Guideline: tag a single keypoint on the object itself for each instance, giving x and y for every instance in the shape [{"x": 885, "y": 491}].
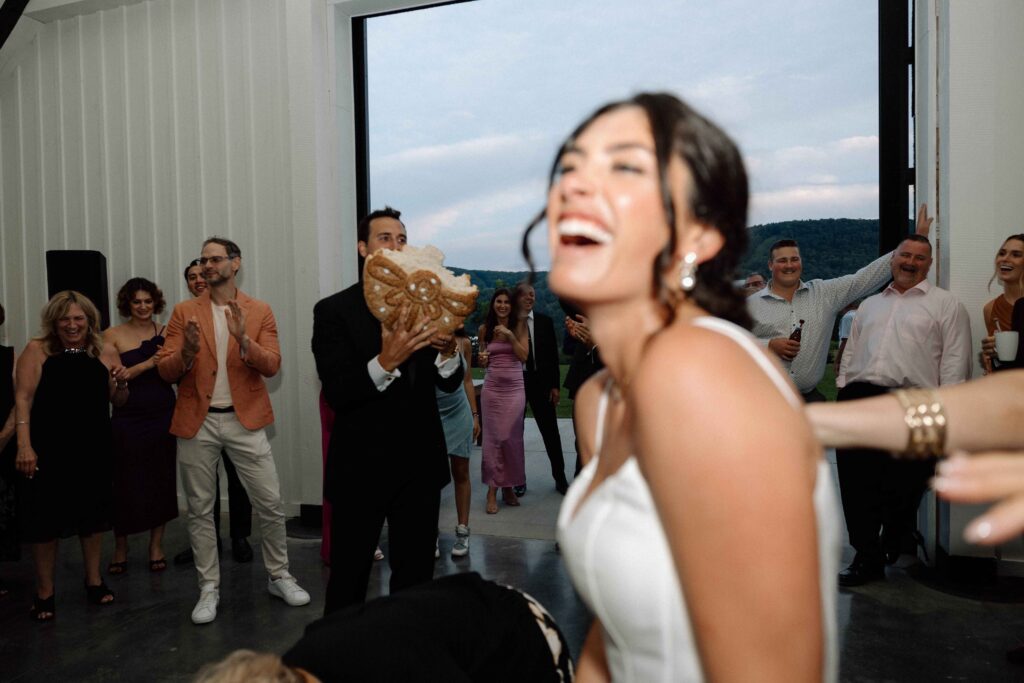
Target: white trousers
[{"x": 249, "y": 451}]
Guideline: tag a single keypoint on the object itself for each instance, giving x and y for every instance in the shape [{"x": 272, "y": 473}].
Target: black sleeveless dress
[
  {"x": 145, "y": 494},
  {"x": 71, "y": 493},
  {"x": 9, "y": 548}
]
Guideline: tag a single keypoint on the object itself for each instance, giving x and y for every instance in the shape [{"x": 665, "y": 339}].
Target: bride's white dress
[{"x": 619, "y": 559}]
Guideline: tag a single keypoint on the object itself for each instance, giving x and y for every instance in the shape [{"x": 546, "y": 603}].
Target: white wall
[
  {"x": 140, "y": 130},
  {"x": 970, "y": 149}
]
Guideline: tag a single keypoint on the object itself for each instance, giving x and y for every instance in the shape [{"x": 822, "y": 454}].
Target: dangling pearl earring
[{"x": 688, "y": 272}]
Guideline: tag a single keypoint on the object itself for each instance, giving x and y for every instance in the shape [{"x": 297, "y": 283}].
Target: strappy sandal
[
  {"x": 117, "y": 568},
  {"x": 96, "y": 594},
  {"x": 42, "y": 609},
  {"x": 158, "y": 565}
]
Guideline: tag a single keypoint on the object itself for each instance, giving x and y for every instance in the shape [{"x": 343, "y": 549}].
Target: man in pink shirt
[{"x": 912, "y": 334}]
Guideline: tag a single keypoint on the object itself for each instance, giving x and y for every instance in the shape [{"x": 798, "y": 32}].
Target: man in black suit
[
  {"x": 541, "y": 376},
  {"x": 387, "y": 457}
]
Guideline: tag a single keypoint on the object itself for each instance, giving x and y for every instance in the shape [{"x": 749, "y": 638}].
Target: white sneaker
[
  {"x": 206, "y": 609},
  {"x": 461, "y": 547},
  {"x": 288, "y": 589},
  {"x": 378, "y": 554}
]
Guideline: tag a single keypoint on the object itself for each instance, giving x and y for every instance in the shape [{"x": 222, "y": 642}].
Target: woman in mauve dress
[{"x": 504, "y": 350}]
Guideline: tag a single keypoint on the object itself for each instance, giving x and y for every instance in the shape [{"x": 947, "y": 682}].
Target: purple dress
[
  {"x": 144, "y": 449},
  {"x": 504, "y": 406}
]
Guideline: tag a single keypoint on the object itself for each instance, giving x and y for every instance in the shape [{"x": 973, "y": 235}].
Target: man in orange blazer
[{"x": 219, "y": 347}]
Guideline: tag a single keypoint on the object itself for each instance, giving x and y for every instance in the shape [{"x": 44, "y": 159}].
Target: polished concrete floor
[{"x": 911, "y": 627}]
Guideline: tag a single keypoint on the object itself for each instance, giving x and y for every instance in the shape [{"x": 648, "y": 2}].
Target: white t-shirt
[{"x": 221, "y": 388}]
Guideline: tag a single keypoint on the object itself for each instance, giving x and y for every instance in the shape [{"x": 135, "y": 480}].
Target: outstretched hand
[
  {"x": 924, "y": 221},
  {"x": 579, "y": 329},
  {"x": 235, "y": 317},
  {"x": 982, "y": 478},
  {"x": 397, "y": 345}
]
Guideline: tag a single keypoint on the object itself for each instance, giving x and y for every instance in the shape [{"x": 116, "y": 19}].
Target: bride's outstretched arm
[
  {"x": 732, "y": 466},
  {"x": 985, "y": 414}
]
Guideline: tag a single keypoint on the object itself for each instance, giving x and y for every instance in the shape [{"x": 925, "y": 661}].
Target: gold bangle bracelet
[{"x": 926, "y": 422}]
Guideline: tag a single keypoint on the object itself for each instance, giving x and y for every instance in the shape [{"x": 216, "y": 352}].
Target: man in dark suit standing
[
  {"x": 387, "y": 457},
  {"x": 541, "y": 376}
]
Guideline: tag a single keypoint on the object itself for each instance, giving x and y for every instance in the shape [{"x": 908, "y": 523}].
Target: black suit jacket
[
  {"x": 379, "y": 437},
  {"x": 545, "y": 345},
  {"x": 584, "y": 364}
]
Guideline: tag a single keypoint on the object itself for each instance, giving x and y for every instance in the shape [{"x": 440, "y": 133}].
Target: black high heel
[
  {"x": 95, "y": 594},
  {"x": 41, "y": 606}
]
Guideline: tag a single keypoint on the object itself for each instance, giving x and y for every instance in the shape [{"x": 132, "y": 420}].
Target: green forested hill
[{"x": 830, "y": 247}]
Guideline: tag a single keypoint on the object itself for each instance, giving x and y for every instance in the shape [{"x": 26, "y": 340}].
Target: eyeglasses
[{"x": 215, "y": 260}]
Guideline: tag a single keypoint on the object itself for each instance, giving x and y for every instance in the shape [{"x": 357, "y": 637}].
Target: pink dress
[{"x": 504, "y": 407}]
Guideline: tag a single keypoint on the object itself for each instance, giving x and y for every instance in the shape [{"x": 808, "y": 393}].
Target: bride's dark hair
[{"x": 718, "y": 198}]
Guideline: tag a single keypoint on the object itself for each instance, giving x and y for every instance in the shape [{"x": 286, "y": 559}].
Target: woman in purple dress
[
  {"x": 144, "y": 449},
  {"x": 503, "y": 352}
]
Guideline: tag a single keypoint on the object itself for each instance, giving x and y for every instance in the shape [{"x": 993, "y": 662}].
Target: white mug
[{"x": 1006, "y": 345}]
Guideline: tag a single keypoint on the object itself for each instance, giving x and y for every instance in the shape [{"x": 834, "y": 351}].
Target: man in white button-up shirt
[{"x": 913, "y": 334}]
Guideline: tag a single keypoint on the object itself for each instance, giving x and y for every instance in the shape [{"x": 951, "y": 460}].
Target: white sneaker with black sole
[
  {"x": 461, "y": 547},
  {"x": 289, "y": 590}
]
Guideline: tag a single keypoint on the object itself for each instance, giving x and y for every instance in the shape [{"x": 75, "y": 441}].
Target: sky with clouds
[{"x": 469, "y": 102}]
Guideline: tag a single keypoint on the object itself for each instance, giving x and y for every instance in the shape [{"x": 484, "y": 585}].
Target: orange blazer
[{"x": 245, "y": 375}]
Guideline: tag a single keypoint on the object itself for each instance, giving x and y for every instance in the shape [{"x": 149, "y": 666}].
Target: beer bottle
[{"x": 798, "y": 332}]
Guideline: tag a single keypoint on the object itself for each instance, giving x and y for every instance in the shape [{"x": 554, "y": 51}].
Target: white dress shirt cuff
[
  {"x": 447, "y": 366},
  {"x": 380, "y": 377}
]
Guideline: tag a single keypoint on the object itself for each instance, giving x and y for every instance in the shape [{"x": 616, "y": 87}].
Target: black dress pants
[
  {"x": 539, "y": 399},
  {"x": 880, "y": 493},
  {"x": 410, "y": 507}
]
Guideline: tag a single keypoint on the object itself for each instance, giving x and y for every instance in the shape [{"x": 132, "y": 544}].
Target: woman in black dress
[
  {"x": 65, "y": 378},
  {"x": 144, "y": 449}
]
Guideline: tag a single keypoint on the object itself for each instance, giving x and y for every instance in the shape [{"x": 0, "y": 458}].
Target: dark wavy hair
[
  {"x": 1020, "y": 283},
  {"x": 492, "y": 318},
  {"x": 127, "y": 292},
  {"x": 718, "y": 198}
]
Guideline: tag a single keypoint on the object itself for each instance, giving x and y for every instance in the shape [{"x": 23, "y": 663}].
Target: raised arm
[{"x": 731, "y": 466}]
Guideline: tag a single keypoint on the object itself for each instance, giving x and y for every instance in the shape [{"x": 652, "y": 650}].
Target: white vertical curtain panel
[{"x": 138, "y": 132}]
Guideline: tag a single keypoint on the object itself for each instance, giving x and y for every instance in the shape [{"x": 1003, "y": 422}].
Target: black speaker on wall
[{"x": 83, "y": 271}]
